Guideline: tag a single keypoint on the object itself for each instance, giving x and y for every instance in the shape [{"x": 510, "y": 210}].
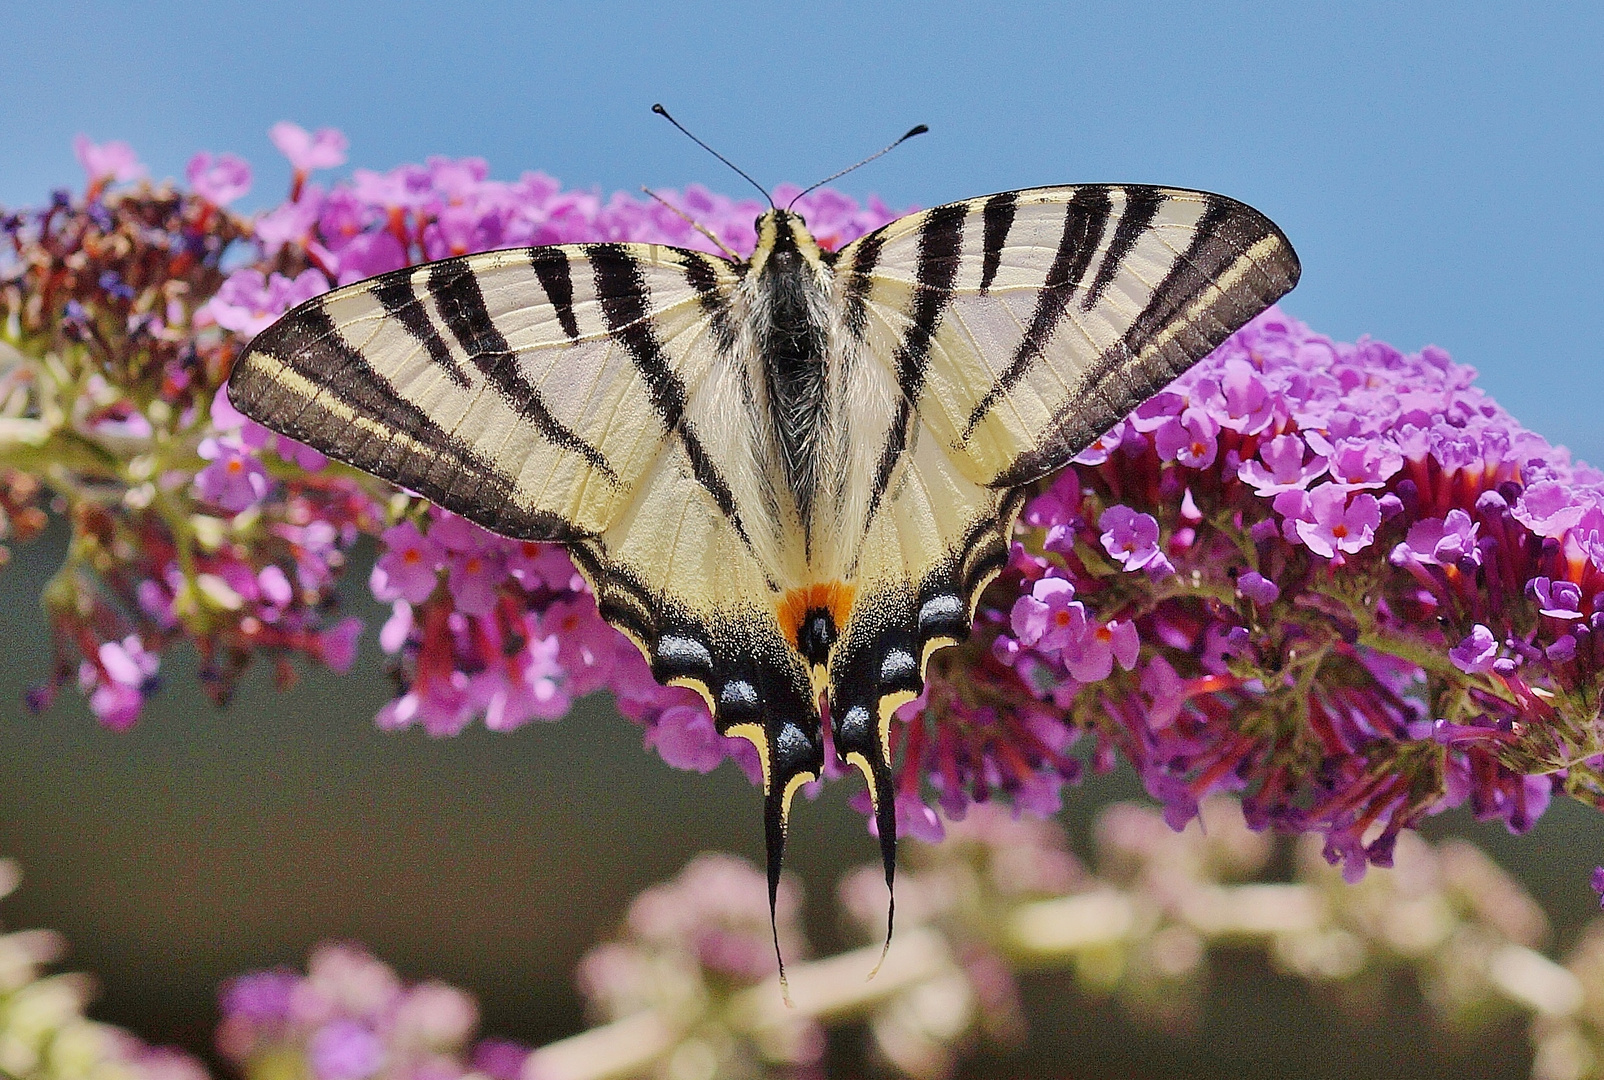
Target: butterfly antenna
[
  {"x": 693, "y": 223},
  {"x": 660, "y": 111},
  {"x": 919, "y": 130}
]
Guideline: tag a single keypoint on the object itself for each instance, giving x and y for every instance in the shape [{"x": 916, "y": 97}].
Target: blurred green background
[{"x": 207, "y": 842}]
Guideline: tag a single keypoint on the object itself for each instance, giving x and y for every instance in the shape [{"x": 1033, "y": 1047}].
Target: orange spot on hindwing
[{"x": 812, "y": 617}]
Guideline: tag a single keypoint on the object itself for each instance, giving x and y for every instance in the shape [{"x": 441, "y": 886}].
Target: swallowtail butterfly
[{"x": 785, "y": 478}]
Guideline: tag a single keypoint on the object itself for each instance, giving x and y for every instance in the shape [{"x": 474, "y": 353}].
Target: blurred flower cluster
[
  {"x": 688, "y": 988},
  {"x": 44, "y": 1034},
  {"x": 350, "y": 1017},
  {"x": 1333, "y": 578},
  {"x": 184, "y": 527}
]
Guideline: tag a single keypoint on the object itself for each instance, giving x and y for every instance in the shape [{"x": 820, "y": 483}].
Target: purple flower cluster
[
  {"x": 688, "y": 949},
  {"x": 350, "y": 1017},
  {"x": 1332, "y": 578},
  {"x": 189, "y": 524}
]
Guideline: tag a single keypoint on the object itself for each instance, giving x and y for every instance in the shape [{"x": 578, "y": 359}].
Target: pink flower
[
  {"x": 1358, "y": 463},
  {"x": 107, "y": 161},
  {"x": 1327, "y": 522},
  {"x": 529, "y": 687},
  {"x": 117, "y": 684},
  {"x": 1189, "y": 439},
  {"x": 1244, "y": 404},
  {"x": 440, "y": 707},
  {"x": 474, "y": 577},
  {"x": 1091, "y": 654},
  {"x": 1475, "y": 654},
  {"x": 406, "y": 188},
  {"x": 366, "y": 255},
  {"x": 591, "y": 651},
  {"x": 1131, "y": 539},
  {"x": 1102, "y": 446},
  {"x": 290, "y": 223},
  {"x": 535, "y": 565},
  {"x": 397, "y": 629},
  {"x": 235, "y": 480},
  {"x": 274, "y": 586},
  {"x": 1258, "y": 588},
  {"x": 409, "y": 567},
  {"x": 1549, "y": 508},
  {"x": 1050, "y": 617},
  {"x": 127, "y": 661},
  {"x": 323, "y": 150},
  {"x": 248, "y": 303},
  {"x": 684, "y": 737},
  {"x": 1286, "y": 468},
  {"x": 1442, "y": 541},
  {"x": 218, "y": 180}
]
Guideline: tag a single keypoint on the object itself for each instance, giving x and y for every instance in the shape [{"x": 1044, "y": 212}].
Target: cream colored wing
[
  {"x": 987, "y": 343},
  {"x": 1040, "y": 318},
  {"x": 529, "y": 390},
  {"x": 592, "y": 394}
]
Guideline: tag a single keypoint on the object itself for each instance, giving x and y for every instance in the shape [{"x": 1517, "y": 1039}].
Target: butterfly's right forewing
[{"x": 1067, "y": 308}]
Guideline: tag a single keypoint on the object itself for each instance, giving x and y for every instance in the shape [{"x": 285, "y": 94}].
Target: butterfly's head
[{"x": 783, "y": 236}]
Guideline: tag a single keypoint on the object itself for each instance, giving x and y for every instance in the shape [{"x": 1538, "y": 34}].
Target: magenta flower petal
[
  {"x": 1475, "y": 654},
  {"x": 307, "y": 151},
  {"x": 105, "y": 161},
  {"x": 410, "y": 566},
  {"x": 219, "y": 180},
  {"x": 234, "y": 480}
]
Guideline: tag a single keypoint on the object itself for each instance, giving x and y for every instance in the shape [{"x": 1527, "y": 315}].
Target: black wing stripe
[
  {"x": 1141, "y": 206},
  {"x": 551, "y": 268},
  {"x": 701, "y": 274},
  {"x": 453, "y": 474},
  {"x": 1085, "y": 218},
  {"x": 620, "y": 598},
  {"x": 1192, "y": 274},
  {"x": 866, "y": 255},
  {"x": 1115, "y": 383},
  {"x": 626, "y": 306},
  {"x": 395, "y": 292},
  {"x": 940, "y": 252},
  {"x": 461, "y": 302},
  {"x": 998, "y": 216}
]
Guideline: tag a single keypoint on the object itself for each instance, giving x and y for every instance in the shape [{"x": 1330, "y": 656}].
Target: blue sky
[{"x": 1436, "y": 165}]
